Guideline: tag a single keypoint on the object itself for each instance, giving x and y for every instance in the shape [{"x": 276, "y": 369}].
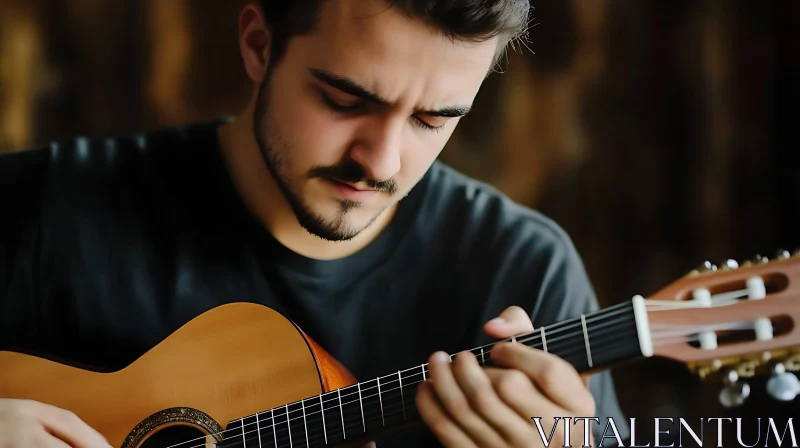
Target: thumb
[{"x": 513, "y": 320}]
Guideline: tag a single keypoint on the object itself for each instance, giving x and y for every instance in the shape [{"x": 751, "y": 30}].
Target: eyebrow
[{"x": 351, "y": 87}]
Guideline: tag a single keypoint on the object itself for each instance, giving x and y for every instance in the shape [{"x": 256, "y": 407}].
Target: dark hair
[{"x": 466, "y": 20}]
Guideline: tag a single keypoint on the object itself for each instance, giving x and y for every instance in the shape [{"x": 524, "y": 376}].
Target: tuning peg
[
  {"x": 782, "y": 386},
  {"x": 729, "y": 264},
  {"x": 782, "y": 254},
  {"x": 707, "y": 266},
  {"x": 734, "y": 393}
]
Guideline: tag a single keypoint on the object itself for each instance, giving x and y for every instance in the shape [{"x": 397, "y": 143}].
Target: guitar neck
[{"x": 591, "y": 342}]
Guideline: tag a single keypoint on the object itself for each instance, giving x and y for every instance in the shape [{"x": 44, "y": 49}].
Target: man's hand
[
  {"x": 469, "y": 406},
  {"x": 30, "y": 424}
]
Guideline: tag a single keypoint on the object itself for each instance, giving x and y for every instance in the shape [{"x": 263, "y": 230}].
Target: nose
[{"x": 378, "y": 149}]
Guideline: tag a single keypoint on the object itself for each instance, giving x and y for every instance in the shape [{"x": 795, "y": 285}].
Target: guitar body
[{"x": 232, "y": 361}]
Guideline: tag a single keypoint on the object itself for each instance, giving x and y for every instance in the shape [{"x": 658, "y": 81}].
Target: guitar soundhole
[
  {"x": 175, "y": 428},
  {"x": 175, "y": 435}
]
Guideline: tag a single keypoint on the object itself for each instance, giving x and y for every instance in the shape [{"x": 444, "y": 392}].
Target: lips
[{"x": 351, "y": 193}]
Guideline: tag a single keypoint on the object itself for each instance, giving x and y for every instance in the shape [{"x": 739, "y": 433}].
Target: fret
[
  {"x": 423, "y": 373},
  {"x": 289, "y": 425},
  {"x": 280, "y": 430},
  {"x": 614, "y": 337},
  {"x": 314, "y": 422},
  {"x": 297, "y": 425},
  {"x": 380, "y": 399},
  {"x": 586, "y": 339},
  {"x": 372, "y": 405},
  {"x": 274, "y": 426},
  {"x": 322, "y": 412},
  {"x": 402, "y": 398},
  {"x": 361, "y": 404},
  {"x": 258, "y": 431},
  {"x": 390, "y": 403},
  {"x": 544, "y": 341},
  {"x": 341, "y": 412},
  {"x": 235, "y": 432},
  {"x": 253, "y": 428},
  {"x": 305, "y": 422},
  {"x": 352, "y": 411},
  {"x": 244, "y": 439},
  {"x": 334, "y": 420}
]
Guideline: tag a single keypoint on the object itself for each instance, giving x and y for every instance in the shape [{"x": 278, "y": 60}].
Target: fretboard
[{"x": 590, "y": 342}]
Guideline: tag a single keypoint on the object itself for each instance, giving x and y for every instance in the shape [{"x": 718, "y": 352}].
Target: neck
[
  {"x": 262, "y": 196},
  {"x": 590, "y": 343}
]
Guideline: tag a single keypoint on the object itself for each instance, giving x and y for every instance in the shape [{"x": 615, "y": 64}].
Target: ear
[{"x": 255, "y": 39}]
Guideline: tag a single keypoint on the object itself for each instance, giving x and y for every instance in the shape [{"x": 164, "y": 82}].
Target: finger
[
  {"x": 48, "y": 441},
  {"x": 436, "y": 418},
  {"x": 370, "y": 445},
  {"x": 68, "y": 427},
  {"x": 555, "y": 378},
  {"x": 456, "y": 404},
  {"x": 512, "y": 321},
  {"x": 27, "y": 432},
  {"x": 478, "y": 388},
  {"x": 517, "y": 391}
]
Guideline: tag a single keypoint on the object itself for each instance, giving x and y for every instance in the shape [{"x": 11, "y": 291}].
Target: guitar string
[
  {"x": 556, "y": 328},
  {"x": 313, "y": 403},
  {"x": 526, "y": 337},
  {"x": 352, "y": 422},
  {"x": 355, "y": 421},
  {"x": 531, "y": 336},
  {"x": 288, "y": 415}
]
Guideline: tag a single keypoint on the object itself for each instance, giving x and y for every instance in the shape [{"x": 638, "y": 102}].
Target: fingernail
[
  {"x": 442, "y": 358},
  {"x": 497, "y": 321}
]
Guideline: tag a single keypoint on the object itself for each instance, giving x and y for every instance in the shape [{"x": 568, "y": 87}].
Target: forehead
[{"x": 401, "y": 58}]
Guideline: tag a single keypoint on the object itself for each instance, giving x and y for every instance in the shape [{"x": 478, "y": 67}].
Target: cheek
[
  {"x": 419, "y": 154},
  {"x": 309, "y": 134}
]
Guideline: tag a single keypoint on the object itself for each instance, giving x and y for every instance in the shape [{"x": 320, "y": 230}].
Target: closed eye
[
  {"x": 341, "y": 106},
  {"x": 427, "y": 126}
]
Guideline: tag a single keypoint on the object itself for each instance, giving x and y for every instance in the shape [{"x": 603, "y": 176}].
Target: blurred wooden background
[{"x": 659, "y": 134}]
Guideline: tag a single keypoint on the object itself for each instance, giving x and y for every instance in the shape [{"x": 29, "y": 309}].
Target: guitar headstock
[{"x": 731, "y": 322}]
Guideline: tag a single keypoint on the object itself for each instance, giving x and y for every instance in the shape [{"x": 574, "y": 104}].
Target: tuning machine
[
  {"x": 783, "y": 385},
  {"x": 735, "y": 391},
  {"x": 704, "y": 268}
]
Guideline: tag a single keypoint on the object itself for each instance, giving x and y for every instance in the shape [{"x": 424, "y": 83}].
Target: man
[{"x": 322, "y": 200}]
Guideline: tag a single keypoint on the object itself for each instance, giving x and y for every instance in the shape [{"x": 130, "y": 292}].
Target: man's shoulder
[
  {"x": 479, "y": 210},
  {"x": 520, "y": 251}
]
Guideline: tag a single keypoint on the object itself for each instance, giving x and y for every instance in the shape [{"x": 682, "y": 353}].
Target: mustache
[{"x": 352, "y": 174}]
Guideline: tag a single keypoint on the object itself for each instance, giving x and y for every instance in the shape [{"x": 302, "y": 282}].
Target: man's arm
[
  {"x": 23, "y": 183},
  {"x": 23, "y": 179}
]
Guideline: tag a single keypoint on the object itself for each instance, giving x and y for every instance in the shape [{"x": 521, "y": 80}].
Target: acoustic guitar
[{"x": 214, "y": 381}]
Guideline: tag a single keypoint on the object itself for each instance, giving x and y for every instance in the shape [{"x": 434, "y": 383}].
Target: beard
[{"x": 275, "y": 150}]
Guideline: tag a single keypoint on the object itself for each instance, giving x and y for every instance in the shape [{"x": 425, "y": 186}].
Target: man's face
[{"x": 354, "y": 114}]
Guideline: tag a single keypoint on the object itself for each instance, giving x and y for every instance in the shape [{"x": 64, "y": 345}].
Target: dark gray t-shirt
[{"x": 108, "y": 246}]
